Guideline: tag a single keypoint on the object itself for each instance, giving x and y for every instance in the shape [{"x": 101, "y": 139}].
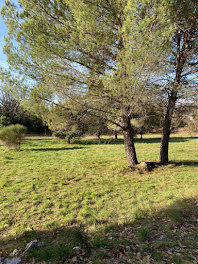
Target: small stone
[
  {"x": 143, "y": 165},
  {"x": 11, "y": 261},
  {"x": 128, "y": 248},
  {"x": 34, "y": 243},
  {"x": 31, "y": 244},
  {"x": 77, "y": 248},
  {"x": 162, "y": 237}
]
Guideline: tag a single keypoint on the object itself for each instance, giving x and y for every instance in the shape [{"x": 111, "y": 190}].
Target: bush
[{"x": 12, "y": 136}]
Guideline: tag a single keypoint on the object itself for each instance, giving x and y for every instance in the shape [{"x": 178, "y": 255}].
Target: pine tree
[{"x": 182, "y": 64}]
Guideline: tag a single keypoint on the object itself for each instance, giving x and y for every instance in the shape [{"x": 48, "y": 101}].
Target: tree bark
[
  {"x": 129, "y": 142},
  {"x": 167, "y": 129}
]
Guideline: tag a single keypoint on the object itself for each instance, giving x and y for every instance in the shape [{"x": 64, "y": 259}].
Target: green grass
[{"x": 85, "y": 195}]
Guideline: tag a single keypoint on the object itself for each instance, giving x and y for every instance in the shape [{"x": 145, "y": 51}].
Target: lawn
[{"x": 85, "y": 195}]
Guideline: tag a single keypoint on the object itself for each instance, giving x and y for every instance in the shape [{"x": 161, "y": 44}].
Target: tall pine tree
[{"x": 182, "y": 64}]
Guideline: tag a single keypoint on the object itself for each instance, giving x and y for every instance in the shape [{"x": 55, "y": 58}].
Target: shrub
[{"x": 12, "y": 136}]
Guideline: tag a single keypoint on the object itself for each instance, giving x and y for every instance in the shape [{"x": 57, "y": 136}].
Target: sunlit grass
[{"x": 49, "y": 184}]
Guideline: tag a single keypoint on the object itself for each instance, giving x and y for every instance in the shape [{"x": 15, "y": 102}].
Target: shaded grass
[
  {"x": 167, "y": 236},
  {"x": 91, "y": 190},
  {"x": 120, "y": 141}
]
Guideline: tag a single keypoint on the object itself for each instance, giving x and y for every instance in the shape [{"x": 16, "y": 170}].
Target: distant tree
[
  {"x": 114, "y": 129},
  {"x": 10, "y": 108},
  {"x": 191, "y": 117},
  {"x": 97, "y": 125},
  {"x": 67, "y": 123},
  {"x": 149, "y": 121}
]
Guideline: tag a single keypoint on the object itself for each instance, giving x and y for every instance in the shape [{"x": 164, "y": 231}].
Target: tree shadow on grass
[
  {"x": 188, "y": 163},
  {"x": 103, "y": 141},
  {"x": 112, "y": 141},
  {"x": 158, "y": 140},
  {"x": 120, "y": 141},
  {"x": 54, "y": 149},
  {"x": 167, "y": 236},
  {"x": 43, "y": 139}
]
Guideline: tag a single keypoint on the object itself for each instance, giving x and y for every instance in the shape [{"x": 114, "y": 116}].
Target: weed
[{"x": 144, "y": 233}]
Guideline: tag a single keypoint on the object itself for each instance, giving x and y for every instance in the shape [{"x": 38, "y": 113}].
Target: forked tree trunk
[
  {"x": 129, "y": 142},
  {"x": 167, "y": 129}
]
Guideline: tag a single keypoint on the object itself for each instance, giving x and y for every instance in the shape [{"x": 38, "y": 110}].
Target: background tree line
[
  {"x": 75, "y": 123},
  {"x": 12, "y": 112}
]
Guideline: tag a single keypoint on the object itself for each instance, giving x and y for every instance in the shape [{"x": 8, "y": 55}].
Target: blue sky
[{"x": 3, "y": 32}]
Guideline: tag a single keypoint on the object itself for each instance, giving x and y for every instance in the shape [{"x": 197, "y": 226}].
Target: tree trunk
[
  {"x": 141, "y": 134},
  {"x": 69, "y": 140},
  {"x": 129, "y": 142},
  {"x": 116, "y": 135},
  {"x": 181, "y": 57},
  {"x": 98, "y": 135},
  {"x": 45, "y": 129},
  {"x": 167, "y": 129}
]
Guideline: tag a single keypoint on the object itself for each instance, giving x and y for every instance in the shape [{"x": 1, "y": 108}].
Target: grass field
[{"x": 85, "y": 195}]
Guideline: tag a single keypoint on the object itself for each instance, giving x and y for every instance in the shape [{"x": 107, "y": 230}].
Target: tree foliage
[{"x": 67, "y": 122}]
